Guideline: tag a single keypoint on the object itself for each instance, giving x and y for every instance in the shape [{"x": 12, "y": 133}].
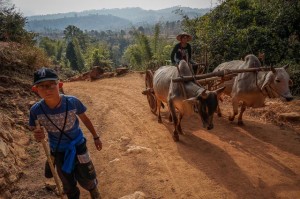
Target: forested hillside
[
  {"x": 90, "y": 22},
  {"x": 110, "y": 19}
]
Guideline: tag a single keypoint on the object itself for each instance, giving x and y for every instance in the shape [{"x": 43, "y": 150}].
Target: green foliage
[
  {"x": 98, "y": 55},
  {"x": 67, "y": 72},
  {"x": 295, "y": 77},
  {"x": 73, "y": 54},
  {"x": 294, "y": 71},
  {"x": 49, "y": 46},
  {"x": 18, "y": 56},
  {"x": 60, "y": 49},
  {"x": 99, "y": 59},
  {"x": 240, "y": 27},
  {"x": 148, "y": 52},
  {"x": 166, "y": 54},
  {"x": 156, "y": 38},
  {"x": 145, "y": 47},
  {"x": 12, "y": 25},
  {"x": 133, "y": 56},
  {"x": 139, "y": 54},
  {"x": 72, "y": 32}
]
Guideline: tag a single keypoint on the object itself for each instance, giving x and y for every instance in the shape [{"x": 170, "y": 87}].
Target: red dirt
[{"x": 257, "y": 160}]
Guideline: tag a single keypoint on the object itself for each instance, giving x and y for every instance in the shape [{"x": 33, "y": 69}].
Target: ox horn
[
  {"x": 273, "y": 69},
  {"x": 286, "y": 66}
]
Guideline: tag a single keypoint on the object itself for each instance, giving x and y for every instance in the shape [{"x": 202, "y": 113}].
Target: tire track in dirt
[
  {"x": 133, "y": 118},
  {"x": 190, "y": 193},
  {"x": 227, "y": 162}
]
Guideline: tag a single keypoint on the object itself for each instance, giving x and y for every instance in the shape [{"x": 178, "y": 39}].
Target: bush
[
  {"x": 12, "y": 26},
  {"x": 295, "y": 89},
  {"x": 14, "y": 54}
]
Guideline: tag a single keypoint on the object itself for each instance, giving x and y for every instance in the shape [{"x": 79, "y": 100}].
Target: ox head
[
  {"x": 206, "y": 103},
  {"x": 277, "y": 83}
]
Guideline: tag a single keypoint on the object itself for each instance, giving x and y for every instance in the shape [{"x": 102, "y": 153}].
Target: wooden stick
[
  {"x": 56, "y": 179},
  {"x": 220, "y": 73},
  {"x": 226, "y": 77}
]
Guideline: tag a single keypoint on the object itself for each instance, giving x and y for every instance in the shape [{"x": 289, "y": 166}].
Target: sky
[{"x": 42, "y": 7}]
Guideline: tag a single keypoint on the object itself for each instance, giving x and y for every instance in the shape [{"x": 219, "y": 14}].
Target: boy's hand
[
  {"x": 98, "y": 144},
  {"x": 39, "y": 134}
]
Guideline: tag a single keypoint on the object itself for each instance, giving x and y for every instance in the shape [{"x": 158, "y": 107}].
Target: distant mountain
[
  {"x": 91, "y": 22},
  {"x": 112, "y": 19}
]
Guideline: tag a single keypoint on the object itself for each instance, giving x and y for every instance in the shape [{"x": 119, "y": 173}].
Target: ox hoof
[
  {"x": 240, "y": 122},
  {"x": 219, "y": 114},
  {"x": 170, "y": 118},
  {"x": 231, "y": 118},
  {"x": 210, "y": 127},
  {"x": 176, "y": 138},
  {"x": 159, "y": 120},
  {"x": 180, "y": 130}
]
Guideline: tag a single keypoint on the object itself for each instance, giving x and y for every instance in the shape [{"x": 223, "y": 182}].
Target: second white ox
[
  {"x": 251, "y": 89},
  {"x": 183, "y": 96}
]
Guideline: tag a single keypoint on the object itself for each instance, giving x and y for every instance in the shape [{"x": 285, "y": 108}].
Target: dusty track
[{"x": 257, "y": 160}]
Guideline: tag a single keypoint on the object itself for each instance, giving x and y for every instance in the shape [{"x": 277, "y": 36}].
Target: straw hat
[{"x": 178, "y": 37}]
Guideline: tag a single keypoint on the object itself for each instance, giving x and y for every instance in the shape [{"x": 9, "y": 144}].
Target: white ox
[
  {"x": 183, "y": 96},
  {"x": 251, "y": 89}
]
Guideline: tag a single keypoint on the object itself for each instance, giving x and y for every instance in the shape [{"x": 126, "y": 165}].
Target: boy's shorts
[{"x": 84, "y": 172}]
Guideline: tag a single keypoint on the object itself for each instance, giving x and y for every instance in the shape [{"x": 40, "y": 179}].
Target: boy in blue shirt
[{"x": 58, "y": 114}]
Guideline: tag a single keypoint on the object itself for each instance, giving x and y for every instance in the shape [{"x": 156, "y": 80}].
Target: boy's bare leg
[{"x": 95, "y": 194}]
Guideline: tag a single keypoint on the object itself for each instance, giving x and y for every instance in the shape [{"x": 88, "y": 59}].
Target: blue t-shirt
[{"x": 57, "y": 116}]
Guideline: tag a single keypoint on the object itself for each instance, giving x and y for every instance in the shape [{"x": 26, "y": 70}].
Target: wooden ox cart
[{"x": 208, "y": 80}]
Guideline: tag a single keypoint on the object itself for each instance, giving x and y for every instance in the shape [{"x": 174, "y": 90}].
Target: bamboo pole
[
  {"x": 56, "y": 179},
  {"x": 220, "y": 73}
]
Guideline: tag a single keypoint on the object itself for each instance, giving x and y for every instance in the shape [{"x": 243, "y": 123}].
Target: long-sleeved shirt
[{"x": 180, "y": 53}]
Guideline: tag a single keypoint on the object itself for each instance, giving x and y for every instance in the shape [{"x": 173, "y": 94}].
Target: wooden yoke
[{"x": 220, "y": 73}]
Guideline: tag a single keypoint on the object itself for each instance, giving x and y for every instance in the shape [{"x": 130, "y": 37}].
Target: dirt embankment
[
  {"x": 15, "y": 101},
  {"x": 140, "y": 158}
]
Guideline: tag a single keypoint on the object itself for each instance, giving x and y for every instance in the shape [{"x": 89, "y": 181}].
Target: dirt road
[{"x": 257, "y": 160}]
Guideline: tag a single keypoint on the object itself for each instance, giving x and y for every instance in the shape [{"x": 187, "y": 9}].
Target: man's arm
[
  {"x": 173, "y": 54},
  {"x": 190, "y": 52}
]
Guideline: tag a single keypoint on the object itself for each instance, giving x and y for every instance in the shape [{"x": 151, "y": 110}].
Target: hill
[
  {"x": 110, "y": 18},
  {"x": 91, "y": 22}
]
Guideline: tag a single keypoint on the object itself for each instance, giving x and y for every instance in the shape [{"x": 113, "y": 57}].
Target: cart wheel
[
  {"x": 150, "y": 97},
  {"x": 149, "y": 79},
  {"x": 152, "y": 102}
]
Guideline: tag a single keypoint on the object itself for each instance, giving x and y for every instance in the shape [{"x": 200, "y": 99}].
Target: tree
[
  {"x": 240, "y": 27},
  {"x": 60, "y": 48},
  {"x": 156, "y": 37},
  {"x": 49, "y": 46},
  {"x": 73, "y": 54},
  {"x": 72, "y": 32},
  {"x": 145, "y": 47},
  {"x": 12, "y": 25},
  {"x": 133, "y": 56}
]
